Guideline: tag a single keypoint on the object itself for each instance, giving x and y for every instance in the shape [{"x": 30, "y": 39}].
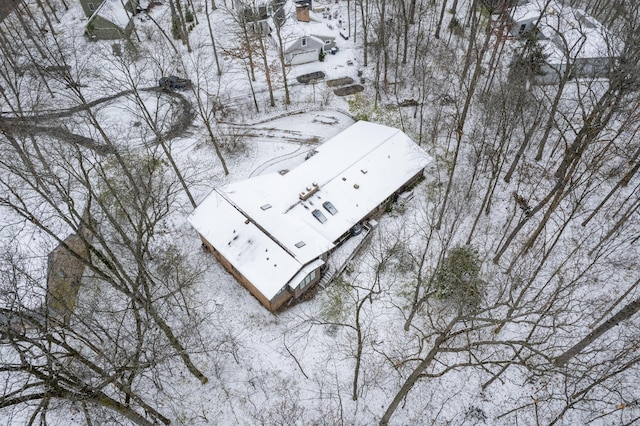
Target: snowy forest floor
[{"x": 534, "y": 185}]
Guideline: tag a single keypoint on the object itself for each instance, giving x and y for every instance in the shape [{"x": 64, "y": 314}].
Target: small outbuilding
[
  {"x": 275, "y": 232},
  {"x": 111, "y": 20}
]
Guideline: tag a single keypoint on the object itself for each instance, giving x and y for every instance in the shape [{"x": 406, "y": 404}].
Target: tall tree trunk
[
  {"x": 183, "y": 25},
  {"x": 523, "y": 146},
  {"x": 631, "y": 211},
  {"x": 213, "y": 41},
  {"x": 267, "y": 70},
  {"x": 364, "y": 14},
  {"x": 416, "y": 373},
  {"x": 462, "y": 119},
  {"x": 405, "y": 32},
  {"x": 383, "y": 42},
  {"x": 475, "y": 21},
  {"x": 621, "y": 183},
  {"x": 283, "y": 66},
  {"x": 552, "y": 114},
  {"x": 412, "y": 12},
  {"x": 439, "y": 25},
  {"x": 593, "y": 125},
  {"x": 625, "y": 313},
  {"x": 249, "y": 50}
]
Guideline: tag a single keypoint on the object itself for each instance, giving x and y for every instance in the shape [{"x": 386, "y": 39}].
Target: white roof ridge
[
  {"x": 355, "y": 160},
  {"x": 257, "y": 225},
  {"x": 104, "y": 12}
]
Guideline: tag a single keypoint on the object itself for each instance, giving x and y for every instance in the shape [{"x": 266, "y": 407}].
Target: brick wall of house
[{"x": 272, "y": 305}]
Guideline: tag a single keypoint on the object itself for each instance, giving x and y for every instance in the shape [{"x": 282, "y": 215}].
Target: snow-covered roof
[
  {"x": 532, "y": 10},
  {"x": 355, "y": 171},
  {"x": 302, "y": 29},
  {"x": 293, "y": 29},
  {"x": 114, "y": 12},
  {"x": 271, "y": 226},
  {"x": 256, "y": 256},
  {"x": 312, "y": 43},
  {"x": 567, "y": 31}
]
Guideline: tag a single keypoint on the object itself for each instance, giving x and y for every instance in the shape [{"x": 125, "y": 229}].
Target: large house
[
  {"x": 274, "y": 232},
  {"x": 572, "y": 41}
]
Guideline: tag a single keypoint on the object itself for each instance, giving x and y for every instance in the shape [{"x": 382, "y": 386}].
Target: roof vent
[
  {"x": 309, "y": 192},
  {"x": 266, "y": 207},
  {"x": 364, "y": 171},
  {"x": 300, "y": 244},
  {"x": 356, "y": 186}
]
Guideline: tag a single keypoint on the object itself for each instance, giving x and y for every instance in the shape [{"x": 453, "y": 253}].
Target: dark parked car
[{"x": 173, "y": 82}]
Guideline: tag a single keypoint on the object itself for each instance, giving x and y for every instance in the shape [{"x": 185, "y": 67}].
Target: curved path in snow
[
  {"x": 275, "y": 160},
  {"x": 310, "y": 136},
  {"x": 30, "y": 125}
]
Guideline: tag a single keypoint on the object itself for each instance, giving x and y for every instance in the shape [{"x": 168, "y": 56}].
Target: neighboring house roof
[
  {"x": 575, "y": 34},
  {"x": 300, "y": 29},
  {"x": 531, "y": 10},
  {"x": 265, "y": 229},
  {"x": 294, "y": 29},
  {"x": 113, "y": 11},
  {"x": 566, "y": 31},
  {"x": 312, "y": 43}
]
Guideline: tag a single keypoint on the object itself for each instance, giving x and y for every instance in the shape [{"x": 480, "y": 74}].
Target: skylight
[
  {"x": 266, "y": 207},
  {"x": 329, "y": 207},
  {"x": 318, "y": 215},
  {"x": 300, "y": 244}
]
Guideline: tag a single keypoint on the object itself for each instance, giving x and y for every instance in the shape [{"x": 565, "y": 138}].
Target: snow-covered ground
[{"x": 300, "y": 366}]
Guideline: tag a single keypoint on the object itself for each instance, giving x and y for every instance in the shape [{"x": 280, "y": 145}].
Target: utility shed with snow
[
  {"x": 274, "y": 232},
  {"x": 112, "y": 20}
]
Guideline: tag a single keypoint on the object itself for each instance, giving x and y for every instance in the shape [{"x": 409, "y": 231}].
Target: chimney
[{"x": 302, "y": 12}]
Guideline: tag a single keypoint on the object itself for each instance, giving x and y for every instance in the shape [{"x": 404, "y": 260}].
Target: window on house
[
  {"x": 308, "y": 279},
  {"x": 304, "y": 41},
  {"x": 318, "y": 215},
  {"x": 522, "y": 28},
  {"x": 91, "y": 7}
]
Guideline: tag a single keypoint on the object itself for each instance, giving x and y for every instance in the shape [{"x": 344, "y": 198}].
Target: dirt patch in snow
[
  {"x": 348, "y": 90},
  {"x": 340, "y": 82}
]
